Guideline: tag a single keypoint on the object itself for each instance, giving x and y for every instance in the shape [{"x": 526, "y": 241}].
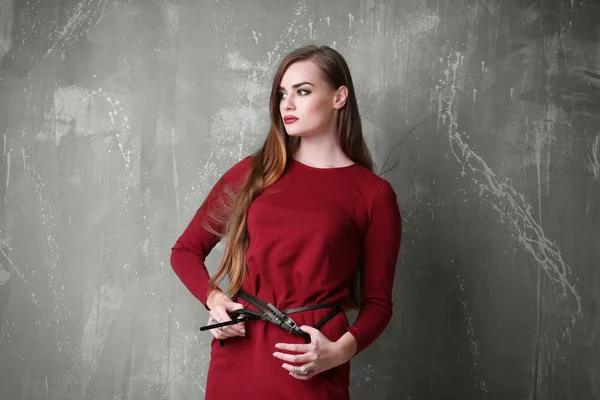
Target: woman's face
[{"x": 308, "y": 104}]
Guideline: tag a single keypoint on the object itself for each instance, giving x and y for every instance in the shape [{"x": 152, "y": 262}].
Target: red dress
[{"x": 307, "y": 232}]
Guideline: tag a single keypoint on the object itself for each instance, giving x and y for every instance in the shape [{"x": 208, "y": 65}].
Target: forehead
[{"x": 301, "y": 71}]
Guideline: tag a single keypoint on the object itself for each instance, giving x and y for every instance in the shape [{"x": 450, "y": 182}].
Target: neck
[{"x": 321, "y": 151}]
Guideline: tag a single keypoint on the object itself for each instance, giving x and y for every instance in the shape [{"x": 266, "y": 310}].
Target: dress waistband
[{"x": 271, "y": 314}]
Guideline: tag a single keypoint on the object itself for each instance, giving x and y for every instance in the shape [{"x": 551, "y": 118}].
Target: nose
[{"x": 287, "y": 104}]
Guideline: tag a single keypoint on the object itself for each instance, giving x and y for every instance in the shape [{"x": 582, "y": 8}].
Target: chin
[{"x": 295, "y": 132}]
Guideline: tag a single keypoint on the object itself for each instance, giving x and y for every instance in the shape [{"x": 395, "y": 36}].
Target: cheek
[{"x": 316, "y": 108}]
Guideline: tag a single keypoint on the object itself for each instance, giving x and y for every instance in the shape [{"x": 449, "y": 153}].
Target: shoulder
[
  {"x": 378, "y": 196},
  {"x": 373, "y": 185}
]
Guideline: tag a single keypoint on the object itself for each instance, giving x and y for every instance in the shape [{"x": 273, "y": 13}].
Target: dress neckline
[{"x": 301, "y": 164}]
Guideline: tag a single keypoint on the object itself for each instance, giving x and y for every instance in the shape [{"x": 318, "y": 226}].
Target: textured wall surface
[{"x": 116, "y": 117}]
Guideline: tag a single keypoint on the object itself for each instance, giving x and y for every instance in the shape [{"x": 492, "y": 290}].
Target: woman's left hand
[{"x": 315, "y": 357}]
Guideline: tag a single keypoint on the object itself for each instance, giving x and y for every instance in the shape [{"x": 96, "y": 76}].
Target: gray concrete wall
[{"x": 117, "y": 116}]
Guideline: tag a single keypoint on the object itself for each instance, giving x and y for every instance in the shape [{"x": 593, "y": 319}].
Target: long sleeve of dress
[
  {"x": 381, "y": 246},
  {"x": 195, "y": 243}
]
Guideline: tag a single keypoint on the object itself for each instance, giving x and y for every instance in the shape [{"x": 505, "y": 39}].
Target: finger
[
  {"x": 231, "y": 306},
  {"x": 218, "y": 333},
  {"x": 228, "y": 329},
  {"x": 298, "y": 348},
  {"x": 299, "y": 374},
  {"x": 241, "y": 327},
  {"x": 219, "y": 324},
  {"x": 225, "y": 335},
  {"x": 313, "y": 332},
  {"x": 316, "y": 336},
  {"x": 294, "y": 358},
  {"x": 214, "y": 320},
  {"x": 220, "y": 314},
  {"x": 301, "y": 377},
  {"x": 292, "y": 368}
]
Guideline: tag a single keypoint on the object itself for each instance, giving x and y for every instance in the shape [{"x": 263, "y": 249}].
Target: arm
[
  {"x": 381, "y": 245},
  {"x": 195, "y": 243}
]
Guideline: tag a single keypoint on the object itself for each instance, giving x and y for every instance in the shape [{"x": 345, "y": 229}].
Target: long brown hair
[{"x": 271, "y": 160}]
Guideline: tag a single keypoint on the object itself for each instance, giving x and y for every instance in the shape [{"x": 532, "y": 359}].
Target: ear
[{"x": 341, "y": 95}]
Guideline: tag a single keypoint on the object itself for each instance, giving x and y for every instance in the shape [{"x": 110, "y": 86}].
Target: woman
[{"x": 312, "y": 232}]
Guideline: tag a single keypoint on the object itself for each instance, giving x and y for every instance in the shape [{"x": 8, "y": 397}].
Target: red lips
[{"x": 288, "y": 119}]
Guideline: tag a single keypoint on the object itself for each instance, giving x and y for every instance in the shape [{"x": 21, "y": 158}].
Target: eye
[
  {"x": 303, "y": 92},
  {"x": 281, "y": 95}
]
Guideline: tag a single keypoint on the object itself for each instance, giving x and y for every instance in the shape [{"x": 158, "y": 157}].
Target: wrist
[
  {"x": 347, "y": 347},
  {"x": 214, "y": 297}
]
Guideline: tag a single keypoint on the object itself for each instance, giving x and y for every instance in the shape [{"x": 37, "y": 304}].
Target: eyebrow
[{"x": 297, "y": 85}]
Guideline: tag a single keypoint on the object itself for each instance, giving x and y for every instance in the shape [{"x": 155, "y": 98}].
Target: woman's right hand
[{"x": 219, "y": 304}]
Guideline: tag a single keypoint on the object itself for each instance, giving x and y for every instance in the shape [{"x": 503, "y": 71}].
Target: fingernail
[
  {"x": 243, "y": 331},
  {"x": 277, "y": 345}
]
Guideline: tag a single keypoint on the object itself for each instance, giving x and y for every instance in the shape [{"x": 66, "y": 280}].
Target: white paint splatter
[
  {"x": 6, "y": 25},
  {"x": 236, "y": 62},
  {"x": 593, "y": 159},
  {"x": 8, "y": 165},
  {"x": 256, "y": 36},
  {"x": 171, "y": 14},
  {"x": 90, "y": 110},
  {"x": 375, "y": 59},
  {"x": 175, "y": 177},
  {"x": 27, "y": 284},
  {"x": 364, "y": 375},
  {"x": 310, "y": 27},
  {"x": 80, "y": 16},
  {"x": 4, "y": 276},
  {"x": 350, "y": 20},
  {"x": 187, "y": 368},
  {"x": 106, "y": 304},
  {"x": 473, "y": 342},
  {"x": 514, "y": 210},
  {"x": 421, "y": 23},
  {"x": 236, "y": 127}
]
